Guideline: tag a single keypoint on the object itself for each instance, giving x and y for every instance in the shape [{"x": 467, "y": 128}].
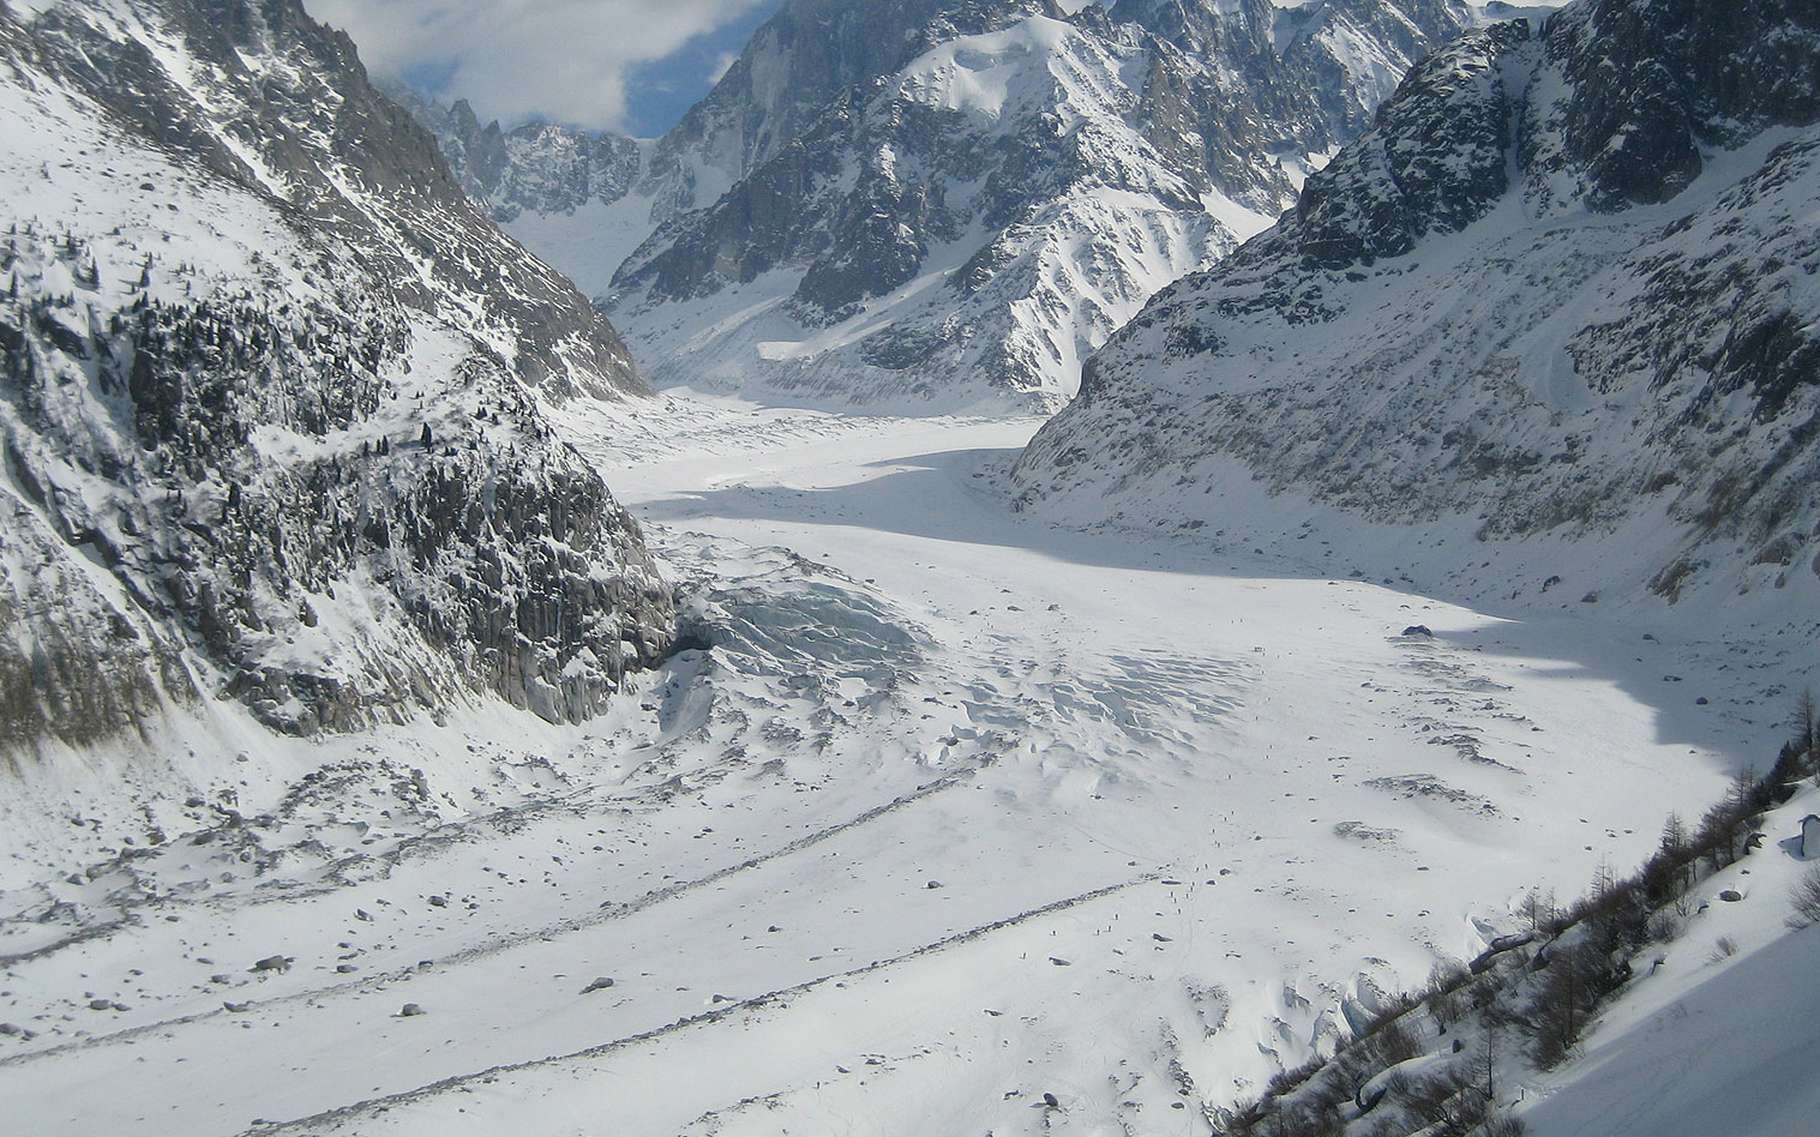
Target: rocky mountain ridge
[
  {"x": 1560, "y": 294},
  {"x": 960, "y": 215},
  {"x": 273, "y": 399}
]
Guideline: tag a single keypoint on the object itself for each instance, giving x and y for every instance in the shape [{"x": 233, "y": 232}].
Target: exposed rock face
[
  {"x": 536, "y": 168},
  {"x": 271, "y": 420},
  {"x": 967, "y": 225},
  {"x": 1564, "y": 286},
  {"x": 953, "y": 201}
]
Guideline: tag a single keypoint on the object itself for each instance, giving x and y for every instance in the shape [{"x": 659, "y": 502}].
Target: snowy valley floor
[{"x": 960, "y": 810}]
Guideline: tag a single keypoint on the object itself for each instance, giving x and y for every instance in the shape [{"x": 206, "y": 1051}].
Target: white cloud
[{"x": 562, "y": 59}]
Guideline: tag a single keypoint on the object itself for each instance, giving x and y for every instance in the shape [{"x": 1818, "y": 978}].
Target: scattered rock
[
  {"x": 409, "y": 1011},
  {"x": 1060, "y": 962},
  {"x": 600, "y": 984},
  {"x": 439, "y": 902},
  {"x": 274, "y": 963},
  {"x": 237, "y": 1008},
  {"x": 100, "y": 1004},
  {"x": 1731, "y": 896}
]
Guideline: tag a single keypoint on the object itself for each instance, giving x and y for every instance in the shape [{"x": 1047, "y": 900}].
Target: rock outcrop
[{"x": 272, "y": 398}]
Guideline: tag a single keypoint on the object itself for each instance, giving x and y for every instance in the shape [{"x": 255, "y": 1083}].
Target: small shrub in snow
[
  {"x": 1666, "y": 926},
  {"x": 1724, "y": 948},
  {"x": 1806, "y": 899},
  {"x": 1503, "y": 1125},
  {"x": 1392, "y": 1043}
]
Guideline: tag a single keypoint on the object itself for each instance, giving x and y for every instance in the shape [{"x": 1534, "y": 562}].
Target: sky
[{"x": 628, "y": 65}]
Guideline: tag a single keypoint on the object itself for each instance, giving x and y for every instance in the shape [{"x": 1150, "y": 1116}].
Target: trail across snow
[{"x": 960, "y": 810}]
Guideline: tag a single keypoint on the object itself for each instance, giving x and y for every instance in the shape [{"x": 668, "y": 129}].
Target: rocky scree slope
[
  {"x": 270, "y": 398},
  {"x": 1562, "y": 292},
  {"x": 946, "y": 203}
]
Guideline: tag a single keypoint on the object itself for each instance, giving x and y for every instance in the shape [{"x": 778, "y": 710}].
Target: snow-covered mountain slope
[
  {"x": 583, "y": 198},
  {"x": 1550, "y": 324},
  {"x": 966, "y": 227},
  {"x": 945, "y": 202},
  {"x": 1719, "y": 1034},
  {"x": 271, "y": 401}
]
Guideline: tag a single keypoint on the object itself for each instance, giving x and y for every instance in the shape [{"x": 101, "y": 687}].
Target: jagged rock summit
[
  {"x": 272, "y": 418},
  {"x": 1560, "y": 298},
  {"x": 947, "y": 203}
]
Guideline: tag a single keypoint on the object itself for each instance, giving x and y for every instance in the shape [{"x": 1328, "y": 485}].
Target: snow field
[{"x": 909, "y": 847}]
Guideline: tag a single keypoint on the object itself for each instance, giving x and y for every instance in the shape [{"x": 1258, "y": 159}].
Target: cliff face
[
  {"x": 1563, "y": 287},
  {"x": 271, "y": 398}
]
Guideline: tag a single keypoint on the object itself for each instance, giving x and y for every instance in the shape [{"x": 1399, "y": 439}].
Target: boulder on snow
[
  {"x": 1418, "y": 630},
  {"x": 274, "y": 963},
  {"x": 409, "y": 1010},
  {"x": 600, "y": 984},
  {"x": 1730, "y": 896}
]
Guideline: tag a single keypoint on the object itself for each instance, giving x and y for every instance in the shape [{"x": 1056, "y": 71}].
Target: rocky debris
[
  {"x": 600, "y": 984},
  {"x": 1499, "y": 946},
  {"x": 274, "y": 963}
]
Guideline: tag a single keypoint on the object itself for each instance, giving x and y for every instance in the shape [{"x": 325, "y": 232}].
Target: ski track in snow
[{"x": 960, "y": 810}]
